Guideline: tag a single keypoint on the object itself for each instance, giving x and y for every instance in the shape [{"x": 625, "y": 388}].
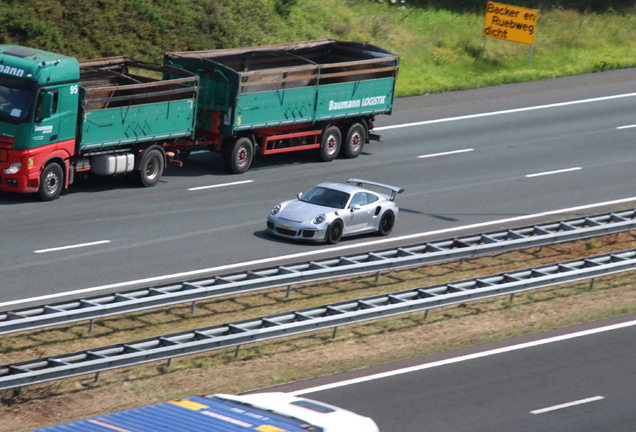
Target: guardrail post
[
  {"x": 377, "y": 276},
  {"x": 591, "y": 284},
  {"x": 17, "y": 391},
  {"x": 236, "y": 352},
  {"x": 288, "y": 290},
  {"x": 169, "y": 362},
  {"x": 96, "y": 377},
  {"x": 426, "y": 314},
  {"x": 335, "y": 330},
  {"x": 90, "y": 326},
  {"x": 512, "y": 296},
  {"x": 193, "y": 307}
]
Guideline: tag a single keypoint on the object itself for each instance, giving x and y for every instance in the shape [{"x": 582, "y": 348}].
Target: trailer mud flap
[{"x": 374, "y": 137}]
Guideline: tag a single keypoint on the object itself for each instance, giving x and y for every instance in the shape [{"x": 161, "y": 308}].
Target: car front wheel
[{"x": 334, "y": 232}]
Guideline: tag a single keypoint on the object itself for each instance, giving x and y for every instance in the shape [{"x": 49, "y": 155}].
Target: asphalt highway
[
  {"x": 574, "y": 379},
  {"x": 469, "y": 161}
]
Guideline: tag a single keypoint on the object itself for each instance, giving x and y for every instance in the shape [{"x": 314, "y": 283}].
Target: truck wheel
[
  {"x": 330, "y": 144},
  {"x": 51, "y": 182},
  {"x": 386, "y": 223},
  {"x": 238, "y": 155},
  {"x": 151, "y": 167},
  {"x": 356, "y": 137},
  {"x": 334, "y": 232}
]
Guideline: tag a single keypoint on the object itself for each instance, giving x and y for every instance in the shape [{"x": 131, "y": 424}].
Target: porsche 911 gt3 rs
[{"x": 330, "y": 211}]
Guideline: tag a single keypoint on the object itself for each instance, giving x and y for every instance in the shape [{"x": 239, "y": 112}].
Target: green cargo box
[
  {"x": 122, "y": 103},
  {"x": 277, "y": 85}
]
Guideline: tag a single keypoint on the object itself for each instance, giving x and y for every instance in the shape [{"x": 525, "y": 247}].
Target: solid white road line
[
  {"x": 71, "y": 246},
  {"x": 554, "y": 172},
  {"x": 220, "y": 185},
  {"x": 566, "y": 405},
  {"x": 510, "y": 111},
  {"x": 463, "y": 358},
  {"x": 626, "y": 127},
  {"x": 445, "y": 153},
  {"x": 311, "y": 253}
]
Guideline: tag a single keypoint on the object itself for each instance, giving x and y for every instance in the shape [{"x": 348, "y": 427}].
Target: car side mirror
[
  {"x": 356, "y": 207},
  {"x": 299, "y": 195}
]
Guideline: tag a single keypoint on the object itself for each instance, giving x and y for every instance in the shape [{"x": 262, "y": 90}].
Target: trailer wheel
[
  {"x": 151, "y": 167},
  {"x": 334, "y": 231},
  {"x": 356, "y": 137},
  {"x": 330, "y": 144},
  {"x": 51, "y": 182},
  {"x": 238, "y": 155}
]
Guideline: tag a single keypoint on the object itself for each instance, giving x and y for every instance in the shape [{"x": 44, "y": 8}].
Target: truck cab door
[
  {"x": 55, "y": 116},
  {"x": 46, "y": 118}
]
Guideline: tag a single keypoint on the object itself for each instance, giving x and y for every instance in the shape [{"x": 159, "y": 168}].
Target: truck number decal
[{"x": 74, "y": 89}]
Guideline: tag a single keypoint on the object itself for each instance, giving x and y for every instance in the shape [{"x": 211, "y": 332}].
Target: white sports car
[{"x": 330, "y": 211}]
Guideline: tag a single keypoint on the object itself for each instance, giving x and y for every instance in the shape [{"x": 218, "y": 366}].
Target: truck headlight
[{"x": 14, "y": 168}]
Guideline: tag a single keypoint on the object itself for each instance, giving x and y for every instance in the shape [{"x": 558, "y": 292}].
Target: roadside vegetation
[{"x": 440, "y": 43}]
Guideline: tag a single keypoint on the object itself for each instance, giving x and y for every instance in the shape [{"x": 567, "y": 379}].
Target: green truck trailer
[{"x": 60, "y": 116}]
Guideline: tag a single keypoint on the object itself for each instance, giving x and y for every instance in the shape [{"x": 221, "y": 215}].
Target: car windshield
[{"x": 326, "y": 197}]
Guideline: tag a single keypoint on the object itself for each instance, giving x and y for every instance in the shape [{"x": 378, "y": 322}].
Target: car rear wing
[{"x": 394, "y": 189}]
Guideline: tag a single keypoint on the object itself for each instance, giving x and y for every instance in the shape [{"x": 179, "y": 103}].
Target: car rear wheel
[
  {"x": 386, "y": 223},
  {"x": 334, "y": 232}
]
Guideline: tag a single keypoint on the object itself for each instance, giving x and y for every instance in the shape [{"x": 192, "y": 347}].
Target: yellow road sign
[{"x": 511, "y": 23}]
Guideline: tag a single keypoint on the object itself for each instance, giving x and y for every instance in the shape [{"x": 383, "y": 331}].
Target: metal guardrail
[
  {"x": 310, "y": 319},
  {"x": 328, "y": 268}
]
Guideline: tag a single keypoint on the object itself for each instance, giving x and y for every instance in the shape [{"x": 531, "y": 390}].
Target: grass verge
[{"x": 440, "y": 50}]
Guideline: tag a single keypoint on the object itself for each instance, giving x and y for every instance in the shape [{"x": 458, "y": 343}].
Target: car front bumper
[{"x": 296, "y": 230}]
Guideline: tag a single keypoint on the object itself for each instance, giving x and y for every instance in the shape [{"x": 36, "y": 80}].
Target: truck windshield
[{"x": 15, "y": 104}]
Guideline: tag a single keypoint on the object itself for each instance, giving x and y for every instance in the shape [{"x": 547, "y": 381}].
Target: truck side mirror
[{"x": 47, "y": 105}]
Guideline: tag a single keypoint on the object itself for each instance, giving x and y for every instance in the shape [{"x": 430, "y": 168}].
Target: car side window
[
  {"x": 358, "y": 199},
  {"x": 362, "y": 199}
]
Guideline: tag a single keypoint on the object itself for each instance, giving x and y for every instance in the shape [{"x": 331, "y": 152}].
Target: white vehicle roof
[{"x": 328, "y": 417}]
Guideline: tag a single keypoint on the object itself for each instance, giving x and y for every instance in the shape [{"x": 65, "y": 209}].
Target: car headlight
[
  {"x": 14, "y": 168},
  {"x": 275, "y": 210},
  {"x": 319, "y": 219}
]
